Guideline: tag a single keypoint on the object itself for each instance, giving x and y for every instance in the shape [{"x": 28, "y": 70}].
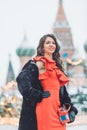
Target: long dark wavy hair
[{"x": 56, "y": 54}]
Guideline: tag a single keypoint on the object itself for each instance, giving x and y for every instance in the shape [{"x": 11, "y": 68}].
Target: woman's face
[{"x": 49, "y": 46}]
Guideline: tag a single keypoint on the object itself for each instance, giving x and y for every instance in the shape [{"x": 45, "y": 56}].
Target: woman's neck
[{"x": 48, "y": 56}]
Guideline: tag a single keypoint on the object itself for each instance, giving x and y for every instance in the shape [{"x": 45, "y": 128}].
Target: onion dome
[{"x": 24, "y": 49}]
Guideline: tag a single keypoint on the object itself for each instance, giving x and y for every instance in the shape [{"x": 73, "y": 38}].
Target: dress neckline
[{"x": 47, "y": 59}]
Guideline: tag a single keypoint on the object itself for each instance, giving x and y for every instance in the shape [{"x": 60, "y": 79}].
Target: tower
[
  {"x": 10, "y": 73},
  {"x": 24, "y": 51},
  {"x": 62, "y": 31},
  {"x": 10, "y": 85}
]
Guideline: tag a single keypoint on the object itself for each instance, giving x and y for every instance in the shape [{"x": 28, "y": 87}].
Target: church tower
[
  {"x": 62, "y": 31},
  {"x": 10, "y": 73},
  {"x": 24, "y": 51}
]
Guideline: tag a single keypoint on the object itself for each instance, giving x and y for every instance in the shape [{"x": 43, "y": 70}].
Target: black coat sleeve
[
  {"x": 28, "y": 83},
  {"x": 27, "y": 91},
  {"x": 65, "y": 98}
]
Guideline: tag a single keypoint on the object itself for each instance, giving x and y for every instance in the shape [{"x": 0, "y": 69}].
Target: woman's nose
[{"x": 51, "y": 44}]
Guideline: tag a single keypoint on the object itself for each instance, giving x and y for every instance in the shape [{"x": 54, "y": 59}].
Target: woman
[{"x": 51, "y": 78}]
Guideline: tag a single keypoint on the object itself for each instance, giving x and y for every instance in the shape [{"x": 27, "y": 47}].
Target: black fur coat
[{"x": 31, "y": 90}]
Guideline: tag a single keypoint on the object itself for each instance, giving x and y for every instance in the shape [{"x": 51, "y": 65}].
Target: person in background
[{"x": 46, "y": 103}]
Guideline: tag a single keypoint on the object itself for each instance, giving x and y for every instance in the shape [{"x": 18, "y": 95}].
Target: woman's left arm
[{"x": 65, "y": 98}]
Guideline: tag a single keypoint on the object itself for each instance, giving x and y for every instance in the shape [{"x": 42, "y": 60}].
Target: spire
[
  {"x": 60, "y": 1},
  {"x": 10, "y": 73},
  {"x": 24, "y": 42},
  {"x": 63, "y": 32},
  {"x": 61, "y": 14}
]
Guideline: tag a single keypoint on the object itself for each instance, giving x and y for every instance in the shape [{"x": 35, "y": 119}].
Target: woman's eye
[
  {"x": 50, "y": 42},
  {"x": 53, "y": 42},
  {"x": 47, "y": 42}
]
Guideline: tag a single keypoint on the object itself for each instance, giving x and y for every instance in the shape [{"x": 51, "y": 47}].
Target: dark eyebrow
[{"x": 49, "y": 41}]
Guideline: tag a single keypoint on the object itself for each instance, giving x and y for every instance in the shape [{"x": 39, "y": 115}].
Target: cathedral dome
[{"x": 24, "y": 49}]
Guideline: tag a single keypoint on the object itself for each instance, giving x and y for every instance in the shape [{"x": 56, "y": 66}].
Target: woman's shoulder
[
  {"x": 40, "y": 62},
  {"x": 43, "y": 59},
  {"x": 39, "y": 58}
]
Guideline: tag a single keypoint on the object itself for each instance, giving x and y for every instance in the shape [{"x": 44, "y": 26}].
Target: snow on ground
[{"x": 78, "y": 127}]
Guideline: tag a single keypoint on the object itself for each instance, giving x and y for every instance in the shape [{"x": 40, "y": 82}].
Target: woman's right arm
[{"x": 28, "y": 83}]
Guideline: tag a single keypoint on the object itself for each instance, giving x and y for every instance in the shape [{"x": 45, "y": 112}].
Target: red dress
[{"x": 46, "y": 111}]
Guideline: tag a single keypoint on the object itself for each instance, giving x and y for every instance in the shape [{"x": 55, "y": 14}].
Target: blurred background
[{"x": 22, "y": 23}]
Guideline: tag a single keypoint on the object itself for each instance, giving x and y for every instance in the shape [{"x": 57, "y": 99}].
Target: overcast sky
[{"x": 36, "y": 17}]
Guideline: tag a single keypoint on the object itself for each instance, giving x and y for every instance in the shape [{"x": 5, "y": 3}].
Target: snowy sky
[{"x": 36, "y": 17}]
